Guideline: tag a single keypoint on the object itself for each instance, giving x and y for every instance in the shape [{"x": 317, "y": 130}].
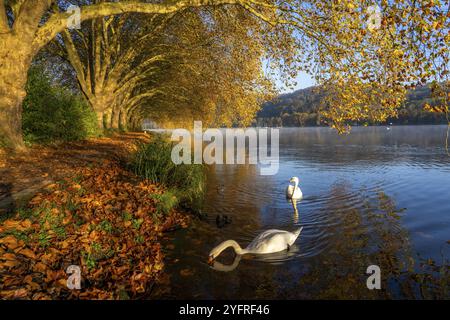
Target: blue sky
[{"x": 303, "y": 79}]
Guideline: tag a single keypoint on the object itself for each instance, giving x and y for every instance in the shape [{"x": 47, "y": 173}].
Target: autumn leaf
[
  {"x": 26, "y": 224},
  {"x": 9, "y": 263},
  {"x": 10, "y": 242},
  {"x": 40, "y": 267},
  {"x": 8, "y": 257},
  {"x": 27, "y": 253},
  {"x": 10, "y": 224},
  {"x": 14, "y": 294}
]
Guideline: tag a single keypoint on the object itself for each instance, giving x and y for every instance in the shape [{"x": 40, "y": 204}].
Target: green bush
[
  {"x": 52, "y": 113},
  {"x": 153, "y": 161}
]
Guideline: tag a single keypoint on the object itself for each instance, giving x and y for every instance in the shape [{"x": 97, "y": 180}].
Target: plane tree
[
  {"x": 365, "y": 58},
  {"x": 26, "y": 26}
]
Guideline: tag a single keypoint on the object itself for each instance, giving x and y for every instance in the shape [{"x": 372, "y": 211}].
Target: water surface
[{"x": 375, "y": 196}]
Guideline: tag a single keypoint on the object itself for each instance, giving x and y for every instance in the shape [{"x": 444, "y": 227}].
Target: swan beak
[{"x": 210, "y": 260}]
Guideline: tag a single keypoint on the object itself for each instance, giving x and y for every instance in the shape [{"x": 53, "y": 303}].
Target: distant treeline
[{"x": 300, "y": 109}]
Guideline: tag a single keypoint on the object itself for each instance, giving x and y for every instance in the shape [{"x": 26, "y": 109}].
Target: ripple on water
[{"x": 362, "y": 192}]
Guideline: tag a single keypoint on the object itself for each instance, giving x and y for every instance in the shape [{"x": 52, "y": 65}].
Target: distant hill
[{"x": 299, "y": 108}]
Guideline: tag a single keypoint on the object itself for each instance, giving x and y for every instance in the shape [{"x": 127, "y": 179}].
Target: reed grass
[{"x": 185, "y": 182}]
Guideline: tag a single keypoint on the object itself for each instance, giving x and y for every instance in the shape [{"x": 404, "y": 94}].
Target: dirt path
[{"x": 22, "y": 175}]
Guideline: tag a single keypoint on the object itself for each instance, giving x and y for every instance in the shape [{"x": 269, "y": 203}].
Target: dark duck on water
[{"x": 222, "y": 220}]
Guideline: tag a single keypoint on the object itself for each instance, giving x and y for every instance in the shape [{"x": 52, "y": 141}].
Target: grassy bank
[
  {"x": 153, "y": 161},
  {"x": 104, "y": 218}
]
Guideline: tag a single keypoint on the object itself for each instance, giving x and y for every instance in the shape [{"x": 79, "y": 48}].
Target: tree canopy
[{"x": 217, "y": 61}]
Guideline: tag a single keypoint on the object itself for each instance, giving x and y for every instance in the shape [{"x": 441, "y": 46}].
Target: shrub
[
  {"x": 153, "y": 161},
  {"x": 52, "y": 113}
]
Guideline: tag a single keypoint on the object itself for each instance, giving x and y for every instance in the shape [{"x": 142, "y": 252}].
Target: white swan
[
  {"x": 269, "y": 241},
  {"x": 293, "y": 191}
]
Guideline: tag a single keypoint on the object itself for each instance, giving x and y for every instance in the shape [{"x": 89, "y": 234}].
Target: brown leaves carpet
[{"x": 92, "y": 213}]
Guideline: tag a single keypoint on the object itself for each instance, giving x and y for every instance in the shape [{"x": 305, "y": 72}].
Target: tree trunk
[
  {"x": 107, "y": 119},
  {"x": 136, "y": 123},
  {"x": 14, "y": 63},
  {"x": 115, "y": 118},
  {"x": 11, "y": 118},
  {"x": 132, "y": 123},
  {"x": 122, "y": 121},
  {"x": 101, "y": 105},
  {"x": 100, "y": 122}
]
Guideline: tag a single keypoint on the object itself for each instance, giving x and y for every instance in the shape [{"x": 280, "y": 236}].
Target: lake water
[{"x": 373, "y": 197}]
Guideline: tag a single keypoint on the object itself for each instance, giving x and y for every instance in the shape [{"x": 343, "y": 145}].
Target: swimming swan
[
  {"x": 269, "y": 241},
  {"x": 293, "y": 191}
]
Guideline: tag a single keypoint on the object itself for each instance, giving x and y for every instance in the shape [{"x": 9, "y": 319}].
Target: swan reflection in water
[
  {"x": 274, "y": 258},
  {"x": 294, "y": 205}
]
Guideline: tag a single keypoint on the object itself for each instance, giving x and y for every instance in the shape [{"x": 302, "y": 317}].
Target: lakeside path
[{"x": 23, "y": 174}]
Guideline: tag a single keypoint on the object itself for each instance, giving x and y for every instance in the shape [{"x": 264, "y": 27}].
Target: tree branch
[
  {"x": 28, "y": 15},
  {"x": 58, "y": 22},
  {"x": 83, "y": 79},
  {"x": 4, "y": 27}
]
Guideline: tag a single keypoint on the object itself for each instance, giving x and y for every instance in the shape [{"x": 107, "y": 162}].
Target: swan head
[
  {"x": 294, "y": 180},
  {"x": 213, "y": 254}
]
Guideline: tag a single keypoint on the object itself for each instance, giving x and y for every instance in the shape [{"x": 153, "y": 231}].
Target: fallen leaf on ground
[{"x": 106, "y": 230}]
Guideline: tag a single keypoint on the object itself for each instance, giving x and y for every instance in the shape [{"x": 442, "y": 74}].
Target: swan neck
[{"x": 224, "y": 245}]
